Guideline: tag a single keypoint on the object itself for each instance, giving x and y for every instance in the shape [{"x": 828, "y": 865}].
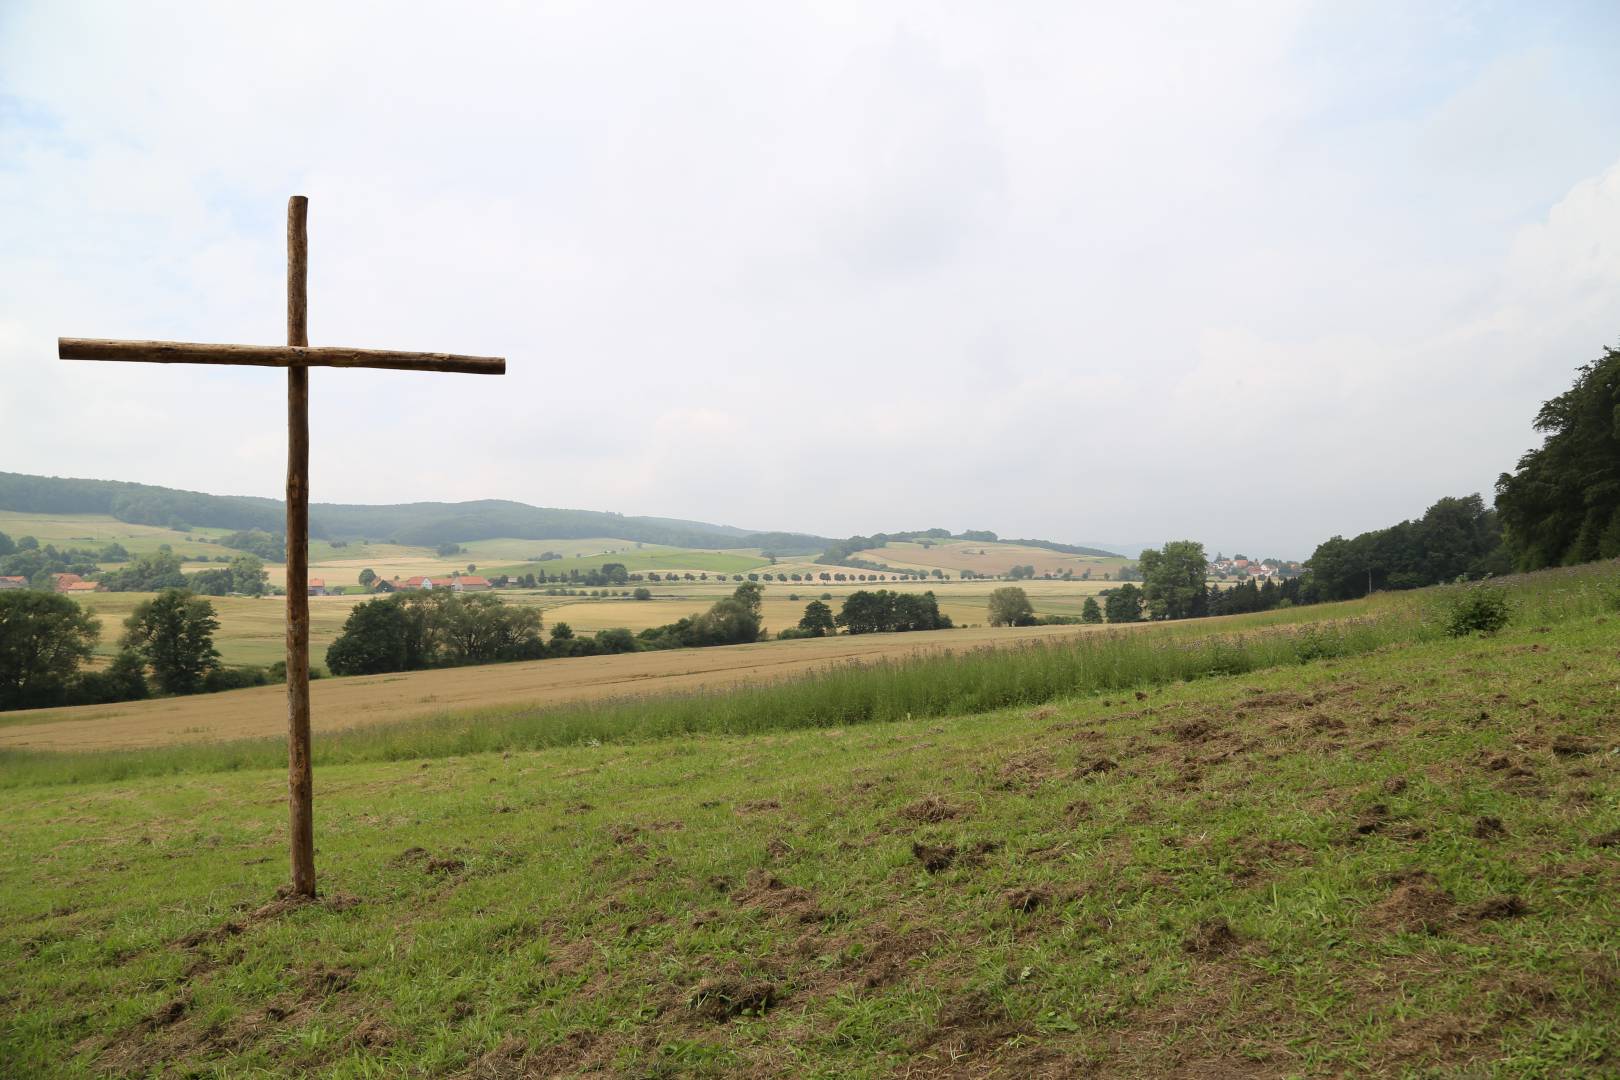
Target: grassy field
[
  {"x": 97, "y": 530},
  {"x": 1397, "y": 862}
]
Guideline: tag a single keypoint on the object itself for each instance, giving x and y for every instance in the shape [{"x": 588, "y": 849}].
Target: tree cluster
[
  {"x": 1454, "y": 538},
  {"x": 885, "y": 611},
  {"x": 438, "y": 628},
  {"x": 1561, "y": 506}
]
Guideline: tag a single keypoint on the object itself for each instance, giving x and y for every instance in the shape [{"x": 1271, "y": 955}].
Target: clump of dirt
[
  {"x": 1567, "y": 746},
  {"x": 371, "y": 1034},
  {"x": 505, "y": 1058},
  {"x": 1395, "y": 785},
  {"x": 758, "y": 806},
  {"x": 1027, "y": 900},
  {"x": 971, "y": 1024},
  {"x": 410, "y": 855},
  {"x": 1191, "y": 731},
  {"x": 578, "y": 808},
  {"x": 931, "y": 809},
  {"x": 320, "y": 981},
  {"x": 934, "y": 858},
  {"x": 721, "y": 999},
  {"x": 1415, "y": 904},
  {"x": 1094, "y": 767},
  {"x": 447, "y": 865},
  {"x": 1505, "y": 906},
  {"x": 1077, "y": 811},
  {"x": 1211, "y": 937},
  {"x": 229, "y": 928},
  {"x": 1608, "y": 839},
  {"x": 1045, "y": 712},
  {"x": 1371, "y": 820},
  {"x": 1024, "y": 770},
  {"x": 766, "y": 892},
  {"x": 1489, "y": 828},
  {"x": 777, "y": 849}
]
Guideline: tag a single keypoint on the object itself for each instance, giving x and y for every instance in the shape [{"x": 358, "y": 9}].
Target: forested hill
[{"x": 425, "y": 523}]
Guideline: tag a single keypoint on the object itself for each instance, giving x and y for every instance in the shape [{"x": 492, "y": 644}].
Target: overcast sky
[{"x": 1252, "y": 274}]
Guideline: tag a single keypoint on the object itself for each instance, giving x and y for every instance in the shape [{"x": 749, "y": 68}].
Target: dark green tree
[
  {"x": 817, "y": 620},
  {"x": 367, "y": 577},
  {"x": 1090, "y": 612},
  {"x": 1123, "y": 604},
  {"x": 1561, "y": 506},
  {"x": 44, "y": 637},
  {"x": 1010, "y": 606},
  {"x": 173, "y": 634},
  {"x": 1173, "y": 580}
]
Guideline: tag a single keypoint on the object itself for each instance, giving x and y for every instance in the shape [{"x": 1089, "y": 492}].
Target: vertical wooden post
[{"x": 300, "y": 780}]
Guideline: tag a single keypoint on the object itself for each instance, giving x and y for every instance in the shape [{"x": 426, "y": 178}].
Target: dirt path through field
[{"x": 341, "y": 703}]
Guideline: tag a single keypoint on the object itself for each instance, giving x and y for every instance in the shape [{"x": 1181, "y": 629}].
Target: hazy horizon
[{"x": 1251, "y": 276}]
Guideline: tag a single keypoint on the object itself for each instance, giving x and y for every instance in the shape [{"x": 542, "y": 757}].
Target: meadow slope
[{"x": 1400, "y": 863}]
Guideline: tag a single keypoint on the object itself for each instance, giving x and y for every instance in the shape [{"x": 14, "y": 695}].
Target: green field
[
  {"x": 1392, "y": 862},
  {"x": 96, "y": 530}
]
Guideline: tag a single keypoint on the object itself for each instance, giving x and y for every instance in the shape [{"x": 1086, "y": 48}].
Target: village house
[
  {"x": 455, "y": 583},
  {"x": 11, "y": 582},
  {"x": 317, "y": 587},
  {"x": 73, "y": 583}
]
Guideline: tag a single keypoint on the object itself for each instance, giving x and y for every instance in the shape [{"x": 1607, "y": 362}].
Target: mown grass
[
  {"x": 1395, "y": 863},
  {"x": 945, "y": 685}
]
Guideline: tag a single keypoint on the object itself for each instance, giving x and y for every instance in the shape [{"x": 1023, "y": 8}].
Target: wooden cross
[{"x": 297, "y": 357}]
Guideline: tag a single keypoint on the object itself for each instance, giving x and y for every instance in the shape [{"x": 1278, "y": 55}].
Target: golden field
[{"x": 362, "y": 700}]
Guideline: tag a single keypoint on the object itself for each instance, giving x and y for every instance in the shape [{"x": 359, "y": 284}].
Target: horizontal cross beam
[{"x": 287, "y": 356}]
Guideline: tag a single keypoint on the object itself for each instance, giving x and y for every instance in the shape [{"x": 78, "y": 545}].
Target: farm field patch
[
  {"x": 987, "y": 558},
  {"x": 361, "y": 700},
  {"x": 97, "y": 530}
]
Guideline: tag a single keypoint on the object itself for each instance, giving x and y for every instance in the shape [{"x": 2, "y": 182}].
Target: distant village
[{"x": 1242, "y": 568}]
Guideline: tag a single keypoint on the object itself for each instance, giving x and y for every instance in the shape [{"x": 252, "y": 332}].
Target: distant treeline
[
  {"x": 426, "y": 524},
  {"x": 1560, "y": 507}
]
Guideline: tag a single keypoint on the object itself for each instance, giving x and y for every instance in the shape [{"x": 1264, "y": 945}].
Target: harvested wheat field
[{"x": 353, "y": 702}]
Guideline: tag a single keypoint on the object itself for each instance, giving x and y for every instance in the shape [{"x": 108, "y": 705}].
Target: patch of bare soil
[
  {"x": 1416, "y": 904},
  {"x": 931, "y": 809},
  {"x": 934, "y": 858},
  {"x": 1568, "y": 746},
  {"x": 723, "y": 998},
  {"x": 767, "y": 893},
  {"x": 1211, "y": 937},
  {"x": 973, "y": 1023},
  {"x": 1027, "y": 900}
]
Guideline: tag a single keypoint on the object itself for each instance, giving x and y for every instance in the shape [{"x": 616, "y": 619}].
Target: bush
[
  {"x": 224, "y": 678},
  {"x": 1477, "y": 609}
]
